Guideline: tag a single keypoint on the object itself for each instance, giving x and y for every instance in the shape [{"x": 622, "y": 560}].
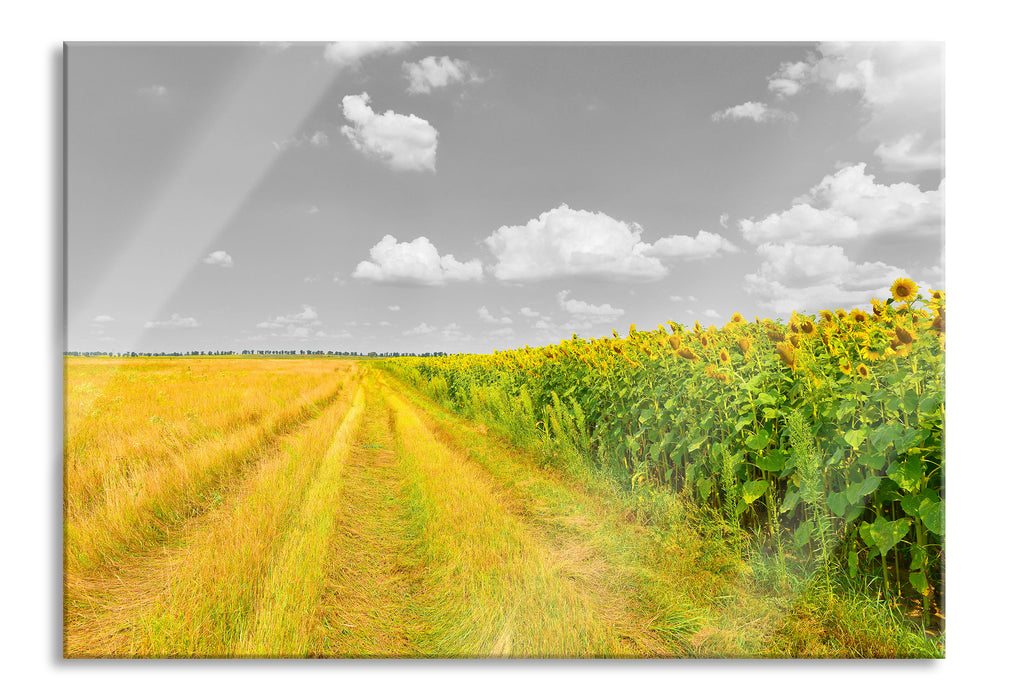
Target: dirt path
[{"x": 391, "y": 528}]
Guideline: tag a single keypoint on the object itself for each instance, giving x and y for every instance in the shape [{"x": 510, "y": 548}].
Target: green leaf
[
  {"x": 854, "y": 438},
  {"x": 765, "y": 398},
  {"x": 909, "y": 439},
  {"x": 933, "y": 515},
  {"x": 752, "y": 490},
  {"x": 865, "y": 532},
  {"x": 919, "y": 581},
  {"x": 803, "y": 532},
  {"x": 910, "y": 401},
  {"x": 883, "y": 436},
  {"x": 887, "y": 533},
  {"x": 697, "y": 443},
  {"x": 758, "y": 441},
  {"x": 906, "y": 474},
  {"x": 857, "y": 492},
  {"x": 927, "y": 405},
  {"x": 704, "y": 487},
  {"x": 791, "y": 498},
  {"x": 911, "y": 503},
  {"x": 838, "y": 503},
  {"x": 773, "y": 461},
  {"x": 852, "y": 563}
]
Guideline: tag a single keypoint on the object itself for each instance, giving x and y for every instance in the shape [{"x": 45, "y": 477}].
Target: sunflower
[
  {"x": 878, "y": 307},
  {"x": 697, "y": 326},
  {"x": 787, "y": 354},
  {"x": 774, "y": 335},
  {"x": 905, "y": 335},
  {"x": 687, "y": 354},
  {"x": 807, "y": 327},
  {"x": 737, "y": 317},
  {"x": 723, "y": 355},
  {"x": 845, "y": 367},
  {"x": 858, "y": 316},
  {"x": 794, "y": 340},
  {"x": 903, "y": 289},
  {"x": 937, "y": 294},
  {"x": 675, "y": 341},
  {"x": 744, "y": 344},
  {"x": 939, "y": 323},
  {"x": 863, "y": 371},
  {"x": 704, "y": 340},
  {"x": 634, "y": 327},
  {"x": 827, "y": 316}
]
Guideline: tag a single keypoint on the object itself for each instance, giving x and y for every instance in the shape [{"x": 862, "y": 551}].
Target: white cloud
[
  {"x": 723, "y": 220},
  {"x": 565, "y": 242},
  {"x": 588, "y": 313},
  {"x": 432, "y": 72},
  {"x": 103, "y": 318},
  {"x": 350, "y": 54},
  {"x": 414, "y": 262},
  {"x": 295, "y": 326},
  {"x": 403, "y": 142},
  {"x": 711, "y": 313},
  {"x": 529, "y": 313},
  {"x": 155, "y": 91},
  {"x": 318, "y": 139},
  {"x": 850, "y": 205},
  {"x": 703, "y": 245},
  {"x": 394, "y": 307},
  {"x": 754, "y": 111},
  {"x": 220, "y": 258},
  {"x": 175, "y": 321},
  {"x": 312, "y": 210},
  {"x": 900, "y": 85},
  {"x": 797, "y": 277},
  {"x": 421, "y": 329},
  {"x": 503, "y": 332},
  {"x": 488, "y": 317}
]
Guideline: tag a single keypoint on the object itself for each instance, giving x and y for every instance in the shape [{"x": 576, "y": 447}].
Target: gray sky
[{"x": 466, "y": 197}]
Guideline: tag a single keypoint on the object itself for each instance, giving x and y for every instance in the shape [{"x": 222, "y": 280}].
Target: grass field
[{"x": 249, "y": 507}]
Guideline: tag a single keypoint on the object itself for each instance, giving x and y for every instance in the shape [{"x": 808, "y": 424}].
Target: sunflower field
[{"x": 826, "y": 431}]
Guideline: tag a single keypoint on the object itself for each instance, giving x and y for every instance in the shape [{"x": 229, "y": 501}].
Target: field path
[{"x": 388, "y": 527}]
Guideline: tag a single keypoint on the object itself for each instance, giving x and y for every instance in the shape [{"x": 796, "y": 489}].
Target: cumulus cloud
[
  {"x": 900, "y": 85},
  {"x": 154, "y": 91},
  {"x": 850, "y": 205},
  {"x": 302, "y": 324},
  {"x": 565, "y": 242},
  {"x": 403, "y": 142},
  {"x": 432, "y": 72},
  {"x": 585, "y": 312},
  {"x": 317, "y": 139},
  {"x": 754, "y": 111},
  {"x": 488, "y": 317},
  {"x": 723, "y": 221},
  {"x": 350, "y": 54},
  {"x": 797, "y": 277},
  {"x": 421, "y": 329},
  {"x": 175, "y": 321},
  {"x": 703, "y": 245},
  {"x": 103, "y": 318},
  {"x": 219, "y": 258},
  {"x": 414, "y": 262},
  {"x": 394, "y": 307}
]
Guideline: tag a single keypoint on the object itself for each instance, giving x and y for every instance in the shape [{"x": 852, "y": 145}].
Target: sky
[{"x": 465, "y": 197}]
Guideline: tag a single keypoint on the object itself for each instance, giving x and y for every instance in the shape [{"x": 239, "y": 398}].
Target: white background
[{"x": 30, "y": 117}]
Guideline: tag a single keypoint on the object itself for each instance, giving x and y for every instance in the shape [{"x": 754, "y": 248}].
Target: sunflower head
[
  {"x": 845, "y": 367},
  {"x": 937, "y": 294},
  {"x": 858, "y": 316},
  {"x": 904, "y": 289},
  {"x": 939, "y": 323},
  {"x": 697, "y": 326},
  {"x": 675, "y": 341},
  {"x": 737, "y": 317},
  {"x": 744, "y": 344},
  {"x": 686, "y": 353},
  {"x": 905, "y": 335},
  {"x": 723, "y": 355},
  {"x": 827, "y": 316},
  {"x": 704, "y": 340},
  {"x": 878, "y": 307},
  {"x": 807, "y": 327},
  {"x": 787, "y": 354},
  {"x": 774, "y": 335},
  {"x": 863, "y": 371},
  {"x": 633, "y": 328},
  {"x": 794, "y": 340}
]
